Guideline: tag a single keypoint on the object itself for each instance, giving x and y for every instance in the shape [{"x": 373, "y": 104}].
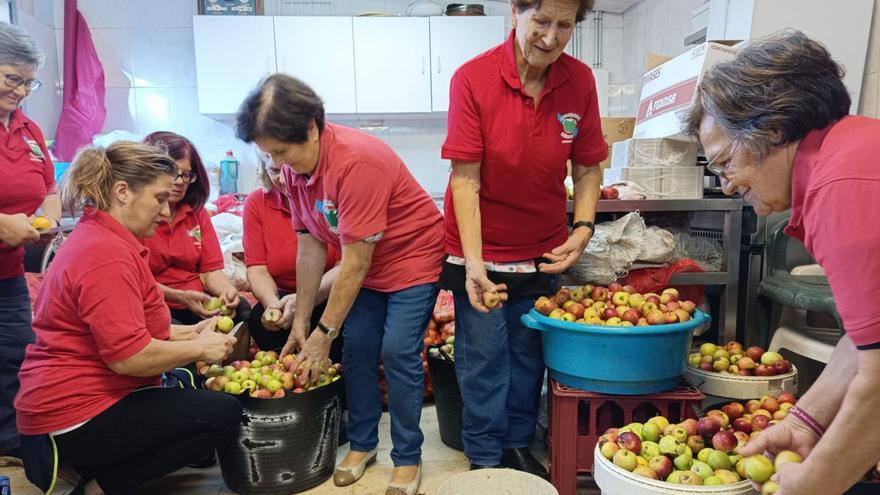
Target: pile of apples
[
  {"x": 616, "y": 305},
  {"x": 441, "y": 326},
  {"x": 755, "y": 415},
  {"x": 760, "y": 468},
  {"x": 732, "y": 359},
  {"x": 689, "y": 453},
  {"x": 445, "y": 351},
  {"x": 265, "y": 377}
]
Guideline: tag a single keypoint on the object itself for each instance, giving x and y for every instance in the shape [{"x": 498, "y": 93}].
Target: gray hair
[
  {"x": 17, "y": 47},
  {"x": 773, "y": 93}
]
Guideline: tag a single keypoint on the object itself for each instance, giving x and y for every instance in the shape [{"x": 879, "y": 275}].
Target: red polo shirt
[
  {"x": 834, "y": 200},
  {"x": 27, "y": 176},
  {"x": 183, "y": 249},
  {"x": 522, "y": 150},
  {"x": 269, "y": 238},
  {"x": 99, "y": 305},
  {"x": 362, "y": 188}
]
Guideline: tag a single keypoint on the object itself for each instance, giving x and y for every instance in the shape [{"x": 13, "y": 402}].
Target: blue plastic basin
[{"x": 615, "y": 360}]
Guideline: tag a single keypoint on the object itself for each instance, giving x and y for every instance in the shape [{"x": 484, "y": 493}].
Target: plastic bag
[
  {"x": 613, "y": 248},
  {"x": 658, "y": 247},
  {"x": 230, "y": 230}
]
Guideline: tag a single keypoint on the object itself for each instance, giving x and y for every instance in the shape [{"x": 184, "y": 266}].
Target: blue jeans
[
  {"x": 500, "y": 367},
  {"x": 15, "y": 335},
  {"x": 392, "y": 325}
]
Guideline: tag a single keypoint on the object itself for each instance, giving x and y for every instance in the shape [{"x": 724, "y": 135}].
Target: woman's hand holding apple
[
  {"x": 230, "y": 298},
  {"x": 281, "y": 314},
  {"x": 215, "y": 346},
  {"x": 313, "y": 355},
  {"x": 478, "y": 285},
  {"x": 789, "y": 434},
  {"x": 195, "y": 302}
]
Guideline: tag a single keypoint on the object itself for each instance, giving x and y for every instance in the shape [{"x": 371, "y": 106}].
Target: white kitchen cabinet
[
  {"x": 454, "y": 41},
  {"x": 232, "y": 54},
  {"x": 320, "y": 51},
  {"x": 392, "y": 64}
]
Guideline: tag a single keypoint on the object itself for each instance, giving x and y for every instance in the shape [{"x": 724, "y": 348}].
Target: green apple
[
  {"x": 668, "y": 445},
  {"x": 213, "y": 304},
  {"x": 718, "y": 460},
  {"x": 703, "y": 455},
  {"x": 636, "y": 428},
  {"x": 232, "y": 388},
  {"x": 759, "y": 468},
  {"x": 712, "y": 481},
  {"x": 649, "y": 449},
  {"x": 694, "y": 359},
  {"x": 228, "y": 371},
  {"x": 690, "y": 478},
  {"x": 727, "y": 476},
  {"x": 769, "y": 358},
  {"x": 608, "y": 449},
  {"x": 708, "y": 349},
  {"x": 225, "y": 324},
  {"x": 769, "y": 488},
  {"x": 786, "y": 456},
  {"x": 702, "y": 469},
  {"x": 650, "y": 432},
  {"x": 660, "y": 421},
  {"x": 625, "y": 459},
  {"x": 684, "y": 461},
  {"x": 674, "y": 477}
]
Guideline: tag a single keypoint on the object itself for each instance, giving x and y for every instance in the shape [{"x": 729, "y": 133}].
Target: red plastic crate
[{"x": 578, "y": 418}]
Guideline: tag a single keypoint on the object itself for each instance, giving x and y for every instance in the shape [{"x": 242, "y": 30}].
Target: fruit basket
[
  {"x": 629, "y": 360},
  {"x": 733, "y": 372},
  {"x": 613, "y": 480},
  {"x": 447, "y": 395},
  {"x": 742, "y": 387}
]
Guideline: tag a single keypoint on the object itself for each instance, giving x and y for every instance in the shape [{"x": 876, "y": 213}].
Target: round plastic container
[
  {"x": 496, "y": 482},
  {"x": 613, "y": 480},
  {"x": 742, "y": 387},
  {"x": 447, "y": 398},
  {"x": 615, "y": 360}
]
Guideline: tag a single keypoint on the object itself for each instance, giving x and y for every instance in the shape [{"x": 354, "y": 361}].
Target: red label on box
[{"x": 672, "y": 98}]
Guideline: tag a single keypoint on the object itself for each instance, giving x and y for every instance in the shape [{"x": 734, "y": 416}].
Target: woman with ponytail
[{"x": 91, "y": 382}]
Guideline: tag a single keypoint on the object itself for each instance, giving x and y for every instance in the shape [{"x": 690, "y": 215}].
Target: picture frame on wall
[{"x": 230, "y": 7}]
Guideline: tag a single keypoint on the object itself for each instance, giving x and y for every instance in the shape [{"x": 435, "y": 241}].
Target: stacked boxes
[{"x": 664, "y": 167}]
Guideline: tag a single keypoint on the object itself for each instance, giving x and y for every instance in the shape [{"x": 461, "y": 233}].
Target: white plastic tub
[
  {"x": 742, "y": 387},
  {"x": 613, "y": 480},
  {"x": 496, "y": 482}
]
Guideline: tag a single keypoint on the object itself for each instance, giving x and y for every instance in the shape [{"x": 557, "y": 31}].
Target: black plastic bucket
[
  {"x": 447, "y": 399},
  {"x": 286, "y": 445}
]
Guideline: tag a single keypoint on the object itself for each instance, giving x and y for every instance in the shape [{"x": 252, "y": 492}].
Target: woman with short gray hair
[
  {"x": 775, "y": 127},
  {"x": 28, "y": 179}
]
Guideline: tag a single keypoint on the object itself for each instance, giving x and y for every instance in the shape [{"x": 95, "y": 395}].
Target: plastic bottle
[{"x": 229, "y": 174}]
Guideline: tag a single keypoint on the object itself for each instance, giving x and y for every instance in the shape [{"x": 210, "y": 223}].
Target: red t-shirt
[
  {"x": 835, "y": 196},
  {"x": 99, "y": 305},
  {"x": 362, "y": 188},
  {"x": 522, "y": 150},
  {"x": 269, "y": 238},
  {"x": 27, "y": 176},
  {"x": 182, "y": 250}
]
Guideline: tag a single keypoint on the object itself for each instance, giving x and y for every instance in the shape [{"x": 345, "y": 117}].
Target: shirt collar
[
  {"x": 805, "y": 158},
  {"x": 276, "y": 200},
  {"x": 94, "y": 216},
  {"x": 18, "y": 120},
  {"x": 557, "y": 74}
]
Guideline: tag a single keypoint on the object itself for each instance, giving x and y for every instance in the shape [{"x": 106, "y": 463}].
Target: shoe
[
  {"x": 344, "y": 476},
  {"x": 206, "y": 462},
  {"x": 411, "y": 488},
  {"x": 474, "y": 467},
  {"x": 521, "y": 459}
]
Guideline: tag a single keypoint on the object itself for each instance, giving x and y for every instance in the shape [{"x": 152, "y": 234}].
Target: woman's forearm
[
  {"x": 216, "y": 283},
  {"x": 825, "y": 396},
  {"x": 356, "y": 261},
  {"x": 465, "y": 186},
  {"x": 51, "y": 208},
  {"x": 263, "y": 286},
  {"x": 327, "y": 282},
  {"x": 171, "y": 295},
  {"x": 311, "y": 257},
  {"x": 158, "y": 357}
]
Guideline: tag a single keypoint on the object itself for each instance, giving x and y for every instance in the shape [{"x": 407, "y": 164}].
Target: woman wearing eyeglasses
[
  {"x": 185, "y": 254},
  {"x": 775, "y": 124},
  {"x": 28, "y": 179}
]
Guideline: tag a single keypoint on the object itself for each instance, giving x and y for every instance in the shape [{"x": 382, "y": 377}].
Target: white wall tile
[
  {"x": 114, "y": 48},
  {"x": 163, "y": 57},
  {"x": 58, "y": 13},
  {"x": 107, "y": 14},
  {"x": 121, "y": 110},
  {"x": 171, "y": 109},
  {"x": 44, "y": 105}
]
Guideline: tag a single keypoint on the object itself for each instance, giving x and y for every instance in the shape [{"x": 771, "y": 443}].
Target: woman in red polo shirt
[
  {"x": 28, "y": 179},
  {"x": 775, "y": 125},
  {"x": 350, "y": 190},
  {"x": 517, "y": 114},
  {"x": 270, "y": 256},
  {"x": 185, "y": 254},
  {"x": 104, "y": 336}
]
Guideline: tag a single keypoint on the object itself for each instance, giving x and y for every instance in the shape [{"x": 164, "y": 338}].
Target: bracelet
[
  {"x": 808, "y": 420},
  {"x": 584, "y": 223}
]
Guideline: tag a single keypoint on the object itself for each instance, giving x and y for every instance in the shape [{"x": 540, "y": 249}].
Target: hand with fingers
[
  {"x": 195, "y": 302},
  {"x": 313, "y": 356},
  {"x": 483, "y": 294},
  {"x": 566, "y": 255}
]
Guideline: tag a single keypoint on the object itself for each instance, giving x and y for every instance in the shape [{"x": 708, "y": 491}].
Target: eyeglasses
[
  {"x": 720, "y": 169},
  {"x": 186, "y": 177},
  {"x": 13, "y": 81}
]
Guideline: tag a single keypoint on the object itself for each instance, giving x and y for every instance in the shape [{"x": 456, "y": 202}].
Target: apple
[
  {"x": 629, "y": 441},
  {"x": 636, "y": 300},
  {"x": 745, "y": 373},
  {"x": 782, "y": 366},
  {"x": 577, "y": 310},
  {"x": 650, "y": 449},
  {"x": 759, "y": 422},
  {"x": 599, "y": 294},
  {"x": 668, "y": 445},
  {"x": 651, "y": 432},
  {"x": 661, "y": 465},
  {"x": 682, "y": 315},
  {"x": 746, "y": 363},
  {"x": 708, "y": 349},
  {"x": 787, "y": 398},
  {"x": 727, "y": 476},
  {"x": 696, "y": 443},
  {"x": 694, "y": 359},
  {"x": 771, "y": 405},
  {"x": 690, "y": 426},
  {"x": 707, "y": 427},
  {"x": 724, "y": 441},
  {"x": 568, "y": 317},
  {"x": 679, "y": 434},
  {"x": 621, "y": 310},
  {"x": 721, "y": 364},
  {"x": 742, "y": 439},
  {"x": 786, "y": 456},
  {"x": 491, "y": 299},
  {"x": 646, "y": 472},
  {"x": 625, "y": 459},
  {"x": 615, "y": 287},
  {"x": 631, "y": 315},
  {"x": 647, "y": 307},
  {"x": 721, "y": 353},
  {"x": 608, "y": 449},
  {"x": 719, "y": 416},
  {"x": 655, "y": 317},
  {"x": 577, "y": 293},
  {"x": 764, "y": 370},
  {"x": 702, "y": 469},
  {"x": 213, "y": 304},
  {"x": 769, "y": 488},
  {"x": 733, "y": 347},
  {"x": 755, "y": 353},
  {"x": 557, "y": 313},
  {"x": 769, "y": 358},
  {"x": 232, "y": 387},
  {"x": 672, "y": 291},
  {"x": 673, "y": 305},
  {"x": 752, "y": 406},
  {"x": 689, "y": 478},
  {"x": 609, "y": 313},
  {"x": 545, "y": 306},
  {"x": 643, "y": 322},
  {"x": 718, "y": 460},
  {"x": 743, "y": 425},
  {"x": 673, "y": 477},
  {"x": 613, "y": 321},
  {"x": 620, "y": 298},
  {"x": 225, "y": 324},
  {"x": 734, "y": 410},
  {"x": 684, "y": 460},
  {"x": 670, "y": 317},
  {"x": 759, "y": 468},
  {"x": 660, "y": 421}
]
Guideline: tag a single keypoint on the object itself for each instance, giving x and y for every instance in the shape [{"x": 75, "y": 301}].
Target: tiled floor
[{"x": 439, "y": 462}]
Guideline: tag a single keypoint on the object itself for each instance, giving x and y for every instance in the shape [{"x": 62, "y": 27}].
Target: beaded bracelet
[{"x": 808, "y": 420}]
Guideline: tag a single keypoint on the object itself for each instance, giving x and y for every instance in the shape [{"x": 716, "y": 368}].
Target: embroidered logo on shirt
[
  {"x": 569, "y": 123},
  {"x": 196, "y": 234},
  {"x": 36, "y": 153},
  {"x": 328, "y": 209}
]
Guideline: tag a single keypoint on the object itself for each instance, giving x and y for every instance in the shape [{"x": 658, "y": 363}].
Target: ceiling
[{"x": 614, "y": 6}]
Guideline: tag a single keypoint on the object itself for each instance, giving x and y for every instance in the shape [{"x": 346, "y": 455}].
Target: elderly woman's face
[
  {"x": 543, "y": 33},
  {"x": 765, "y": 185},
  {"x": 11, "y": 95},
  {"x": 301, "y": 157},
  {"x": 144, "y": 210}
]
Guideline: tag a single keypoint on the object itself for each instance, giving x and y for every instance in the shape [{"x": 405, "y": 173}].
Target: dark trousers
[
  {"x": 15, "y": 335},
  {"x": 274, "y": 340},
  {"x": 181, "y": 316},
  {"x": 148, "y": 434}
]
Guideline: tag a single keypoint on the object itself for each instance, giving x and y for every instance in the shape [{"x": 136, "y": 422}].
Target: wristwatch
[
  {"x": 328, "y": 331},
  {"x": 584, "y": 223}
]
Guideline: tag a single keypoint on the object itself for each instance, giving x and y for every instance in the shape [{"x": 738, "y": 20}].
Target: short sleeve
[
  {"x": 464, "y": 132},
  {"x": 589, "y": 146},
  {"x": 290, "y": 192},
  {"x": 847, "y": 252},
  {"x": 111, "y": 303},
  {"x": 253, "y": 240},
  {"x": 363, "y": 193},
  {"x": 212, "y": 257}
]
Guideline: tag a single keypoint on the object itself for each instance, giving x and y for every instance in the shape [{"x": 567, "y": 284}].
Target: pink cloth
[{"x": 82, "y": 109}]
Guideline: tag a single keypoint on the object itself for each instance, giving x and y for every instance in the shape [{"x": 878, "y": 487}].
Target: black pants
[
  {"x": 269, "y": 340},
  {"x": 186, "y": 317},
  {"x": 148, "y": 434},
  {"x": 15, "y": 335}
]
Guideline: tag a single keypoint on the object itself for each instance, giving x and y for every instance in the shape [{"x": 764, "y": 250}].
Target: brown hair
[
  {"x": 583, "y": 7},
  {"x": 95, "y": 170},
  {"x": 281, "y": 107},
  {"x": 773, "y": 93},
  {"x": 179, "y": 147}
]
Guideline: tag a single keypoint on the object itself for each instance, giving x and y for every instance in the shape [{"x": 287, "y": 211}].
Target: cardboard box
[
  {"x": 654, "y": 152},
  {"x": 668, "y": 91},
  {"x": 614, "y": 130},
  {"x": 661, "y": 182},
  {"x": 230, "y": 7}
]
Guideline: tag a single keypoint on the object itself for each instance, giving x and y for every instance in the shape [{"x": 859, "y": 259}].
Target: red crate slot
[{"x": 578, "y": 418}]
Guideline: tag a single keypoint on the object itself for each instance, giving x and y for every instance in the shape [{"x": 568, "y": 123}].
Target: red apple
[
  {"x": 629, "y": 441},
  {"x": 632, "y": 316},
  {"x": 734, "y": 410},
  {"x": 782, "y": 366},
  {"x": 688, "y": 306},
  {"x": 752, "y": 406},
  {"x": 615, "y": 287},
  {"x": 743, "y": 425},
  {"x": 609, "y": 313},
  {"x": 652, "y": 298},
  {"x": 706, "y": 366},
  {"x": 760, "y": 422},
  {"x": 690, "y": 426},
  {"x": 707, "y": 427},
  {"x": 670, "y": 317},
  {"x": 545, "y": 306},
  {"x": 599, "y": 294},
  {"x": 696, "y": 443},
  {"x": 764, "y": 370},
  {"x": 609, "y": 193},
  {"x": 661, "y": 465},
  {"x": 733, "y": 347},
  {"x": 787, "y": 397},
  {"x": 742, "y": 372},
  {"x": 724, "y": 441},
  {"x": 577, "y": 310},
  {"x": 718, "y": 415},
  {"x": 755, "y": 353},
  {"x": 770, "y": 404}
]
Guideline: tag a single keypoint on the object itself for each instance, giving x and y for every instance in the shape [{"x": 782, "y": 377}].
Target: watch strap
[
  {"x": 332, "y": 333},
  {"x": 584, "y": 223}
]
